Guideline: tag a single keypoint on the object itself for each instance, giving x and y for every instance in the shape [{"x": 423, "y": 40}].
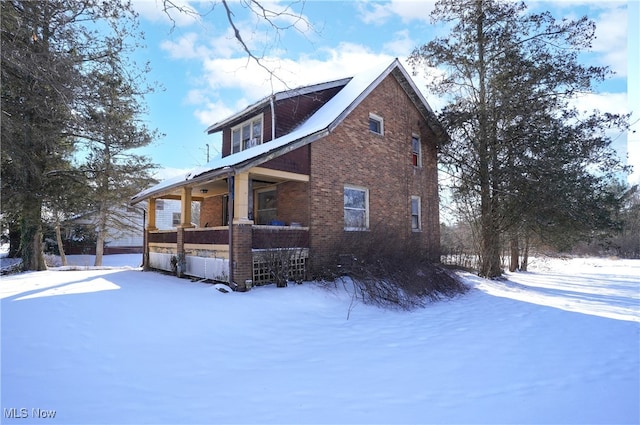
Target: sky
[{"x": 203, "y": 75}]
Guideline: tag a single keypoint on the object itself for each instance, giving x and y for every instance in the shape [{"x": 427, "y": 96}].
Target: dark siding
[
  {"x": 296, "y": 161},
  {"x": 291, "y": 112}
]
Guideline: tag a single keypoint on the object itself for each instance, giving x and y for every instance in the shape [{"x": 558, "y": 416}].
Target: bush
[{"x": 392, "y": 273}]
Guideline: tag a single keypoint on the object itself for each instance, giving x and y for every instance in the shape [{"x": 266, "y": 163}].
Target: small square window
[
  {"x": 175, "y": 219},
  {"x": 376, "y": 124}
]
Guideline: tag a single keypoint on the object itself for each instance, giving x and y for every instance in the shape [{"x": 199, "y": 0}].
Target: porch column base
[{"x": 242, "y": 255}]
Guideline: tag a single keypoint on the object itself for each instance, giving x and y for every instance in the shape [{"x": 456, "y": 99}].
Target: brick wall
[
  {"x": 381, "y": 163},
  {"x": 242, "y": 255},
  {"x": 211, "y": 211},
  {"x": 293, "y": 202}
]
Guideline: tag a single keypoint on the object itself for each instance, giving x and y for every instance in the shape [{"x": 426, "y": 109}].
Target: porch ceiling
[{"x": 218, "y": 185}]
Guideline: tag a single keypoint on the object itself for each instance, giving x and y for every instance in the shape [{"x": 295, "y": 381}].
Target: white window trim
[
  {"x": 419, "y": 228},
  {"x": 366, "y": 208},
  {"x": 250, "y": 122},
  {"x": 419, "y": 165},
  {"x": 380, "y": 120}
]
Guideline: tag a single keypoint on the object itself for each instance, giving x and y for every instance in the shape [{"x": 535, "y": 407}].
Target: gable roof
[
  {"x": 318, "y": 125},
  {"x": 262, "y": 103}
]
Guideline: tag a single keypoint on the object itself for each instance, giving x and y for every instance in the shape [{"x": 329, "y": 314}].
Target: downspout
[
  {"x": 145, "y": 256},
  {"x": 273, "y": 118},
  {"x": 230, "y": 213}
]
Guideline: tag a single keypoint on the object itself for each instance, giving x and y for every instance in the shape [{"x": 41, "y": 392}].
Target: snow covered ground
[{"x": 559, "y": 344}]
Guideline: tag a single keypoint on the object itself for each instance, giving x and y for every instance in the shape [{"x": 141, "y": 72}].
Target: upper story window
[
  {"x": 356, "y": 208},
  {"x": 247, "y": 134},
  {"x": 416, "y": 151},
  {"x": 376, "y": 124}
]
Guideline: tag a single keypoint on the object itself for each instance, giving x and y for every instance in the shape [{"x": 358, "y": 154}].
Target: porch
[{"x": 268, "y": 211}]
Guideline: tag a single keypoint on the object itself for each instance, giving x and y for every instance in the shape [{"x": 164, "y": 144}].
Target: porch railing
[
  {"x": 268, "y": 237},
  {"x": 207, "y": 235}
]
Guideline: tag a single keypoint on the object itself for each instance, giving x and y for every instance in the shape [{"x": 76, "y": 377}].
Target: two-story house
[{"x": 303, "y": 169}]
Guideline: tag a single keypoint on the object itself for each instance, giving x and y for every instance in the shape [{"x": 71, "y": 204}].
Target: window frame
[
  {"x": 416, "y": 157},
  {"x": 365, "y": 209},
  {"x": 417, "y": 214},
  {"x": 174, "y": 216},
  {"x": 379, "y": 120},
  {"x": 245, "y": 142},
  {"x": 257, "y": 193}
]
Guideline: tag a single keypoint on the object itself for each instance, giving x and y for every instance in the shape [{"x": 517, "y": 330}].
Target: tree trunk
[
  {"x": 14, "y": 240},
  {"x": 490, "y": 238},
  {"x": 515, "y": 252},
  {"x": 63, "y": 257},
  {"x": 31, "y": 238},
  {"x": 102, "y": 230},
  {"x": 525, "y": 254}
]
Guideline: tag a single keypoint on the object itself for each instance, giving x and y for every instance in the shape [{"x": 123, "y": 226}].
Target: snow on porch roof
[{"x": 318, "y": 125}]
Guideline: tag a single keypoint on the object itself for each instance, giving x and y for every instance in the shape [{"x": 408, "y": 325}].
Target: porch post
[
  {"x": 185, "y": 211},
  {"x": 241, "y": 199},
  {"x": 151, "y": 225},
  {"x": 241, "y": 257}
]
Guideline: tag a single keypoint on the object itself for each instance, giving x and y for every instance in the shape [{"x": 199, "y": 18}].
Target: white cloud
[
  {"x": 185, "y": 47},
  {"x": 401, "y": 45},
  {"x": 212, "y": 112},
  {"x": 407, "y": 10},
  {"x": 611, "y": 39},
  {"x": 615, "y": 103},
  {"x": 255, "y": 82},
  {"x": 169, "y": 172},
  {"x": 176, "y": 12}
]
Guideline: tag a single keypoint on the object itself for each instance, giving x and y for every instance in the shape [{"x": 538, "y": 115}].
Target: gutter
[
  {"x": 273, "y": 119},
  {"x": 230, "y": 212}
]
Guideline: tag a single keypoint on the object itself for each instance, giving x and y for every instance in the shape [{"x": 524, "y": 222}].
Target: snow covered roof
[
  {"x": 318, "y": 125},
  {"x": 278, "y": 96}
]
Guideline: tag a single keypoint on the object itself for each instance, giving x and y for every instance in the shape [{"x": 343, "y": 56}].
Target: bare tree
[{"x": 278, "y": 18}]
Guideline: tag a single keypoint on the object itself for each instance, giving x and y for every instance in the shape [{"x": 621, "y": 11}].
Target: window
[
  {"x": 159, "y": 204},
  {"x": 416, "y": 151},
  {"x": 356, "y": 208},
  {"x": 376, "y": 124},
  {"x": 175, "y": 219},
  {"x": 266, "y": 208},
  {"x": 246, "y": 135},
  {"x": 225, "y": 210},
  {"x": 415, "y": 213}
]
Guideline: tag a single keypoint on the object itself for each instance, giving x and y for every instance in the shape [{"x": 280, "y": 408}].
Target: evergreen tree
[
  {"x": 51, "y": 51},
  {"x": 37, "y": 92},
  {"x": 519, "y": 151},
  {"x": 115, "y": 129}
]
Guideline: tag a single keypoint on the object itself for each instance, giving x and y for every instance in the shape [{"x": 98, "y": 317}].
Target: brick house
[{"x": 301, "y": 170}]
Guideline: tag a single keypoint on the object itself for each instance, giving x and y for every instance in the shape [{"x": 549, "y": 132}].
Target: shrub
[{"x": 392, "y": 273}]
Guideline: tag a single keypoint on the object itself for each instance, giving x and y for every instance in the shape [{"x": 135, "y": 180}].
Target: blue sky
[{"x": 206, "y": 75}]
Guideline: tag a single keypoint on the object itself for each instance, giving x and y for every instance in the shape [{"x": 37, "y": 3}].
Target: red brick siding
[
  {"x": 211, "y": 212},
  {"x": 293, "y": 202},
  {"x": 242, "y": 255},
  {"x": 355, "y": 156}
]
